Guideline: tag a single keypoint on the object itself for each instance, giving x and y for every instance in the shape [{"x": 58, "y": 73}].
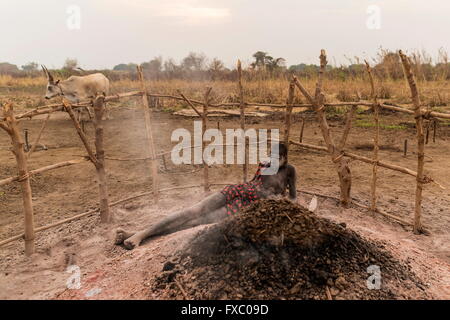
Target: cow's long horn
[
  {"x": 43, "y": 69},
  {"x": 49, "y": 75}
]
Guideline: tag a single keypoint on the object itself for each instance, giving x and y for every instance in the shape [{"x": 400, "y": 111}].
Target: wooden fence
[{"x": 336, "y": 150}]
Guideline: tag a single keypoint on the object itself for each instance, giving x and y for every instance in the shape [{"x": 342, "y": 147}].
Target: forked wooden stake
[
  {"x": 12, "y": 128},
  {"x": 148, "y": 127},
  {"x": 420, "y": 140}
]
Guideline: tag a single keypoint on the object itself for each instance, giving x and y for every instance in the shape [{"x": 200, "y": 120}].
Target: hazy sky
[{"x": 116, "y": 31}]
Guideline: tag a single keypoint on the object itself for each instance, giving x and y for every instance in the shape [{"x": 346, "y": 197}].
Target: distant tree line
[{"x": 197, "y": 66}]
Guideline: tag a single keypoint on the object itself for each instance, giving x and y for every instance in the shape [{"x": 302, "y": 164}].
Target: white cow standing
[{"x": 77, "y": 88}]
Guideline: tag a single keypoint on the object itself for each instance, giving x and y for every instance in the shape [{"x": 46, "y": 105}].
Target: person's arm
[{"x": 292, "y": 183}]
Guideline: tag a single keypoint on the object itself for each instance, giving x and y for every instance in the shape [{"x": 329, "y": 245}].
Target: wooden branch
[
  {"x": 242, "y": 118},
  {"x": 376, "y": 107},
  {"x": 189, "y": 103},
  {"x": 183, "y": 292},
  {"x": 80, "y": 132},
  {"x": 22, "y": 168},
  {"x": 36, "y": 141},
  {"x": 360, "y": 158},
  {"x": 348, "y": 125},
  {"x": 4, "y": 127},
  {"x": 151, "y": 152},
  {"x": 420, "y": 140},
  {"x": 321, "y": 116},
  {"x": 43, "y": 169}
]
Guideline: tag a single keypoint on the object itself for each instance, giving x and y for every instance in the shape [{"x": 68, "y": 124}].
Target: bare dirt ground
[{"x": 111, "y": 272}]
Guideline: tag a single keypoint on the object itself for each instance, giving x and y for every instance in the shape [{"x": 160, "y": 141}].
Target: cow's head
[{"x": 53, "y": 89}]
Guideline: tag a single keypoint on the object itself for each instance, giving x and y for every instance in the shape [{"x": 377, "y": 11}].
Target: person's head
[{"x": 279, "y": 150}]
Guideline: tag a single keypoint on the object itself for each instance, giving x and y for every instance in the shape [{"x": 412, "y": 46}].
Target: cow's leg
[
  {"x": 203, "y": 212},
  {"x": 106, "y": 114},
  {"x": 89, "y": 113},
  {"x": 79, "y": 114}
]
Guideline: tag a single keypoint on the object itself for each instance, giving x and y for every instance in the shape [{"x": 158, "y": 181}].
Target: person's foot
[
  {"x": 122, "y": 235},
  {"x": 132, "y": 242}
]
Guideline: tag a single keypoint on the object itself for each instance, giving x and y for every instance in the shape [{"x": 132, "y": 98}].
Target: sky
[{"x": 104, "y": 33}]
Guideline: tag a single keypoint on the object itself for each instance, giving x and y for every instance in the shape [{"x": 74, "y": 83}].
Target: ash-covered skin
[{"x": 217, "y": 206}]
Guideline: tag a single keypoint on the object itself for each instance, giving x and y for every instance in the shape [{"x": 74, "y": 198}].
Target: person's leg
[
  {"x": 172, "y": 222},
  {"x": 207, "y": 218}
]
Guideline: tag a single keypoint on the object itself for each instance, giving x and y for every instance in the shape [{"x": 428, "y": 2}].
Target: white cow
[{"x": 76, "y": 88}]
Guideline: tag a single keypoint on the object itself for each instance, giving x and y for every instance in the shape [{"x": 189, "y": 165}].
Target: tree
[
  {"x": 125, "y": 67},
  {"x": 70, "y": 64},
  {"x": 30, "y": 66},
  {"x": 260, "y": 59},
  {"x": 215, "y": 67},
  {"x": 389, "y": 65},
  {"x": 194, "y": 62},
  {"x": 171, "y": 68},
  {"x": 8, "y": 68},
  {"x": 153, "y": 68},
  {"x": 274, "y": 64}
]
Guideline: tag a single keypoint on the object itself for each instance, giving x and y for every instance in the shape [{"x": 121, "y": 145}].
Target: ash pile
[{"x": 275, "y": 249}]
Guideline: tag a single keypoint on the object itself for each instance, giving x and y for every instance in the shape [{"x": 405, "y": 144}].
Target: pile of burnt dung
[{"x": 275, "y": 249}]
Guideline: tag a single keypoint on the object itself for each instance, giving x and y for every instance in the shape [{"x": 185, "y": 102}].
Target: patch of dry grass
[{"x": 29, "y": 91}]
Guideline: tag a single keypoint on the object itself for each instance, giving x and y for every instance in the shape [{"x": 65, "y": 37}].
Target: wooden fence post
[
  {"x": 242, "y": 117},
  {"x": 405, "y": 148},
  {"x": 434, "y": 130},
  {"x": 418, "y": 115},
  {"x": 288, "y": 114},
  {"x": 151, "y": 153},
  {"x": 99, "y": 109},
  {"x": 373, "y": 203},
  {"x": 11, "y": 127},
  {"x": 302, "y": 129},
  {"x": 204, "y": 122}
]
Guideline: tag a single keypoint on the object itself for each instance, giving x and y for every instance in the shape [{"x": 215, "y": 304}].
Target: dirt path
[{"x": 123, "y": 274}]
